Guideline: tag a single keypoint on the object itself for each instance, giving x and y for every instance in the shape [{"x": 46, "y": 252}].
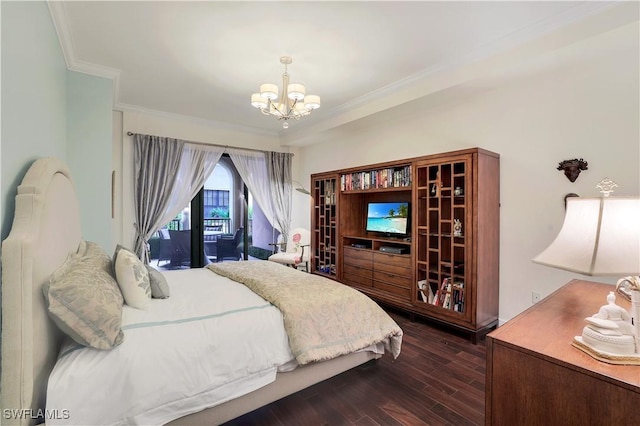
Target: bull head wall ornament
[{"x": 572, "y": 168}]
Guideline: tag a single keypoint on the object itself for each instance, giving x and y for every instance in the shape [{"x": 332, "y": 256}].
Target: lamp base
[{"x": 629, "y": 359}]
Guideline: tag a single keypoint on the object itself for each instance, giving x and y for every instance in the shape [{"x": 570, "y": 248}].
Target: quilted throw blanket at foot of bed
[{"x": 323, "y": 318}]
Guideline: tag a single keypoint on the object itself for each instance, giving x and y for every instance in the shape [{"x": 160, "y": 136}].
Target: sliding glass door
[{"x": 222, "y": 223}]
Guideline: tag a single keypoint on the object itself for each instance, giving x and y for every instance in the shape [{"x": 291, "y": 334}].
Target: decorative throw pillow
[
  {"x": 84, "y": 300},
  {"x": 159, "y": 284},
  {"x": 132, "y": 277}
]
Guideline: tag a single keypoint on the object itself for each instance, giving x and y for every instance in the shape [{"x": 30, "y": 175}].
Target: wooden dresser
[{"x": 535, "y": 376}]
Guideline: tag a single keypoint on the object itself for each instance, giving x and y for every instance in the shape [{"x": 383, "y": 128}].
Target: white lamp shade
[
  {"x": 258, "y": 101},
  {"x": 269, "y": 91},
  {"x": 296, "y": 91},
  {"x": 312, "y": 102},
  {"x": 599, "y": 236}
]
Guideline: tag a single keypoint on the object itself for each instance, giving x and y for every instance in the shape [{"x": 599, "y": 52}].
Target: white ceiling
[{"x": 204, "y": 59}]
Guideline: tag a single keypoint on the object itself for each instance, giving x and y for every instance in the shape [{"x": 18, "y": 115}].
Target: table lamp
[{"x": 601, "y": 236}]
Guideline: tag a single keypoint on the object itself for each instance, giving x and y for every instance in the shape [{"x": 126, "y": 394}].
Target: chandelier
[{"x": 292, "y": 103}]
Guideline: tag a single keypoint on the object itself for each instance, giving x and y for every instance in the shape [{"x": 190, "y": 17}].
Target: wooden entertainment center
[{"x": 445, "y": 267}]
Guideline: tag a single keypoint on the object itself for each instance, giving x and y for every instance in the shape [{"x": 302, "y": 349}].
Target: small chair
[
  {"x": 293, "y": 253},
  {"x": 229, "y": 246},
  {"x": 164, "y": 246},
  {"x": 180, "y": 248},
  {"x": 211, "y": 241}
]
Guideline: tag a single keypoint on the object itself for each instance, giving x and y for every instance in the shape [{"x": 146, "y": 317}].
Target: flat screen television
[{"x": 389, "y": 218}]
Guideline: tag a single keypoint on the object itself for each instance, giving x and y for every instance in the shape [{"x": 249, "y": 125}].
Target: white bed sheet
[{"x": 211, "y": 341}]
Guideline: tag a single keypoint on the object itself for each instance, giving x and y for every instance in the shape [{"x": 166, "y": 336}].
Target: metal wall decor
[{"x": 572, "y": 168}]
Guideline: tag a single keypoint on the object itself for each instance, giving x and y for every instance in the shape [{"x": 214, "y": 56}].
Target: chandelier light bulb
[{"x": 285, "y": 125}]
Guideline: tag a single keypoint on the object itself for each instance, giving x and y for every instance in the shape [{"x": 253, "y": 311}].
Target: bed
[{"x": 46, "y": 234}]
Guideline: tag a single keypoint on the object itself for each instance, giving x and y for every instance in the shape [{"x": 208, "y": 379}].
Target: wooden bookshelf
[
  {"x": 447, "y": 269},
  {"x": 324, "y": 190}
]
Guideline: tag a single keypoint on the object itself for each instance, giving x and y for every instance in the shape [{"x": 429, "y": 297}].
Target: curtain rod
[{"x": 207, "y": 144}]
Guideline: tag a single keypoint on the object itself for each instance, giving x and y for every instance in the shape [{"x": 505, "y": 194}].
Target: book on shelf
[
  {"x": 425, "y": 292},
  {"x": 380, "y": 178},
  {"x": 440, "y": 295},
  {"x": 446, "y": 303},
  {"x": 436, "y": 297},
  {"x": 458, "y": 296},
  {"x": 422, "y": 284}
]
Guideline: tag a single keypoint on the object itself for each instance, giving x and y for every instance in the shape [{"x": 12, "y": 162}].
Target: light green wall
[
  {"x": 89, "y": 153},
  {"x": 34, "y": 104},
  {"x": 50, "y": 111}
]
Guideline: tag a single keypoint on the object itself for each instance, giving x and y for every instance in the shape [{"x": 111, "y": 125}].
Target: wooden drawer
[
  {"x": 359, "y": 258},
  {"x": 354, "y": 253},
  {"x": 357, "y": 280},
  {"x": 392, "y": 259},
  {"x": 392, "y": 289},
  {"x": 358, "y": 263},
  {"x": 403, "y": 281},
  {"x": 356, "y": 270},
  {"x": 404, "y": 271}
]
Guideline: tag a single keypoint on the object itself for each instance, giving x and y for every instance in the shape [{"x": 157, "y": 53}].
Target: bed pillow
[
  {"x": 159, "y": 284},
  {"x": 132, "y": 277},
  {"x": 84, "y": 299}
]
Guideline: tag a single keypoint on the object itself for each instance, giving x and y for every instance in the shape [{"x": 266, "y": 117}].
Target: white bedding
[{"x": 234, "y": 338}]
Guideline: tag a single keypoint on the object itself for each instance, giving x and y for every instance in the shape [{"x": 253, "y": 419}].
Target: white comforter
[{"x": 211, "y": 341}]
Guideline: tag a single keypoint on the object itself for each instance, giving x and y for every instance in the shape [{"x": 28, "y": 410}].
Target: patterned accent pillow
[
  {"x": 159, "y": 284},
  {"x": 84, "y": 299},
  {"x": 132, "y": 277}
]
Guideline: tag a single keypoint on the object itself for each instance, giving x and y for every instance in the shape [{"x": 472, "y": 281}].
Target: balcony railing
[{"x": 225, "y": 224}]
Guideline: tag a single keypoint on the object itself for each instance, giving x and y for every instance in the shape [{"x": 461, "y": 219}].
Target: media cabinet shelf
[
  {"x": 447, "y": 269},
  {"x": 325, "y": 225}
]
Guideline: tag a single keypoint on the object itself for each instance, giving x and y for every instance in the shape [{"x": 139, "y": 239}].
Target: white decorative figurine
[
  {"x": 457, "y": 228},
  {"x": 610, "y": 335},
  {"x": 630, "y": 287}
]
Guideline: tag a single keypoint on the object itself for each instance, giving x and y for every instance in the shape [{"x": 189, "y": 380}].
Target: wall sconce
[
  {"x": 572, "y": 168},
  {"x": 300, "y": 188}
]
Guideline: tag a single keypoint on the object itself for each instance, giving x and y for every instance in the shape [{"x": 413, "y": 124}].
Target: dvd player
[{"x": 394, "y": 250}]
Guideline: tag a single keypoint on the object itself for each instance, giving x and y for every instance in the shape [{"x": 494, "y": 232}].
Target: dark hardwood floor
[{"x": 438, "y": 379}]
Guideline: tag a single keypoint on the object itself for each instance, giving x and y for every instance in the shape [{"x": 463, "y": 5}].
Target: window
[{"x": 216, "y": 203}]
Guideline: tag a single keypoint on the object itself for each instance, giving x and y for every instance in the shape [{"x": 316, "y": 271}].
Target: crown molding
[
  {"x": 585, "y": 20},
  {"x": 60, "y": 23},
  {"x": 453, "y": 70},
  {"x": 196, "y": 120},
  {"x": 581, "y": 11},
  {"x": 61, "y": 26}
]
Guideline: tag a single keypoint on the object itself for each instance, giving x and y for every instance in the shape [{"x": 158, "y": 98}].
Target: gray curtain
[
  {"x": 168, "y": 174},
  {"x": 251, "y": 166},
  {"x": 279, "y": 172},
  {"x": 268, "y": 177}
]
